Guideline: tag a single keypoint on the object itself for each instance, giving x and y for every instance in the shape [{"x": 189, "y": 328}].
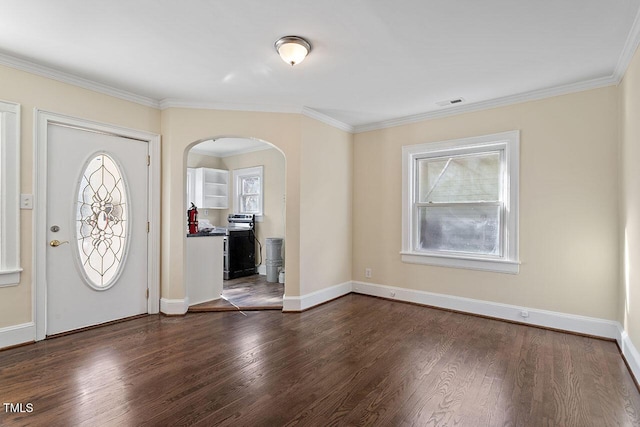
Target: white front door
[{"x": 96, "y": 261}]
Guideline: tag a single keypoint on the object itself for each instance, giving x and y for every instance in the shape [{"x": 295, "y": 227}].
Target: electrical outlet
[
  {"x": 524, "y": 313},
  {"x": 367, "y": 273},
  {"x": 206, "y": 212}
]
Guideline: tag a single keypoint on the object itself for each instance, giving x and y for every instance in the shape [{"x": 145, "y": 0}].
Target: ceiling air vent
[{"x": 450, "y": 102}]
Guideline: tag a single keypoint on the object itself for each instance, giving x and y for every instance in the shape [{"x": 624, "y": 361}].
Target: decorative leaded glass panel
[{"x": 101, "y": 221}]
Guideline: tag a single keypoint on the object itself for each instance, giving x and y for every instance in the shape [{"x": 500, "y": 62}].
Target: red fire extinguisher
[{"x": 192, "y": 218}]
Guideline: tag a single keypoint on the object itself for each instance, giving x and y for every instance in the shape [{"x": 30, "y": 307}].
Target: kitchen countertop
[{"x": 208, "y": 233}]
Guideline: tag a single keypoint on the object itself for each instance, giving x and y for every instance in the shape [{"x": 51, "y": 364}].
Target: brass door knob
[{"x": 56, "y": 243}]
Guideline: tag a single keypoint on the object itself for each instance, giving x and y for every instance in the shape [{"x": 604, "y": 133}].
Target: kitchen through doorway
[{"x": 237, "y": 186}]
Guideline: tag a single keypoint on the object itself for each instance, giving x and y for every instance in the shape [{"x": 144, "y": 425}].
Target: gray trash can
[{"x": 274, "y": 258}]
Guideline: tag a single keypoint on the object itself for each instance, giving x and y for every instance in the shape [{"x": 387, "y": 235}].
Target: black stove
[{"x": 239, "y": 246}]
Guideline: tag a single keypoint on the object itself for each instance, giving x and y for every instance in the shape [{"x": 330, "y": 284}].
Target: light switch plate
[{"x": 26, "y": 201}]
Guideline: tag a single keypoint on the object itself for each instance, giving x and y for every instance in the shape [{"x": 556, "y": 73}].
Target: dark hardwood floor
[
  {"x": 245, "y": 294},
  {"x": 354, "y": 361}
]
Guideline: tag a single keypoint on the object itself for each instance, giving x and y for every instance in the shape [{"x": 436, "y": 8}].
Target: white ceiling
[{"x": 372, "y": 61}]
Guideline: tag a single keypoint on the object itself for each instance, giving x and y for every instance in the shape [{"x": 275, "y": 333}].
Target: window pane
[
  {"x": 469, "y": 229},
  {"x": 251, "y": 185},
  {"x": 471, "y": 178},
  {"x": 249, "y": 204}
]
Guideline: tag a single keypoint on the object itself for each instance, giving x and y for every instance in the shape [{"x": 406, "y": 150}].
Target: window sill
[
  {"x": 483, "y": 264},
  {"x": 10, "y": 278}
]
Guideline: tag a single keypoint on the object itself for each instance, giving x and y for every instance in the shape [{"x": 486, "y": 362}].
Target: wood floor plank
[
  {"x": 354, "y": 361},
  {"x": 245, "y": 294}
]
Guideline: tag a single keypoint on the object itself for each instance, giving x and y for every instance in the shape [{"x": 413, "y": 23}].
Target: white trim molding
[
  {"x": 629, "y": 49},
  {"x": 491, "y": 103},
  {"x": 304, "y": 302},
  {"x": 17, "y": 334},
  {"x": 614, "y": 79},
  {"x": 42, "y": 119},
  {"x": 316, "y": 115},
  {"x": 629, "y": 352},
  {"x": 548, "y": 319},
  {"x": 174, "y": 307},
  {"x": 10, "y": 268},
  {"x": 61, "y": 76}
]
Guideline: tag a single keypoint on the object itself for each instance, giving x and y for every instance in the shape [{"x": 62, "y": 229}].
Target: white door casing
[{"x": 64, "y": 298}]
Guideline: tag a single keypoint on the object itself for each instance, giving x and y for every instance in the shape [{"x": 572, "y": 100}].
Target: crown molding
[
  {"x": 491, "y": 103},
  {"x": 305, "y": 111},
  {"x": 205, "y": 105},
  {"x": 631, "y": 45},
  {"x": 629, "y": 49},
  {"x": 316, "y": 115},
  {"x": 61, "y": 76}
]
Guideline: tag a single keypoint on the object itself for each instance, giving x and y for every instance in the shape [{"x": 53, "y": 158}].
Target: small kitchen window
[
  {"x": 460, "y": 203},
  {"x": 248, "y": 190}
]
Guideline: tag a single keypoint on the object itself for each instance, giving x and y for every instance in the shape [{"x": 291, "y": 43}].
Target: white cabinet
[
  {"x": 208, "y": 188},
  {"x": 204, "y": 268}
]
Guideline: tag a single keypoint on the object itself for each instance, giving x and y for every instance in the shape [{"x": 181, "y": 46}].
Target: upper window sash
[{"x": 9, "y": 194}]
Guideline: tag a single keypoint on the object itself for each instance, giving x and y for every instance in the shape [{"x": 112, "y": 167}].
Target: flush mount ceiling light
[{"x": 292, "y": 49}]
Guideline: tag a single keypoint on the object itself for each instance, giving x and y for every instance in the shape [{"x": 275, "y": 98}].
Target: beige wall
[
  {"x": 31, "y": 92},
  {"x": 307, "y": 145},
  {"x": 180, "y": 129},
  {"x": 326, "y": 217},
  {"x": 568, "y": 205},
  {"x": 630, "y": 201}
]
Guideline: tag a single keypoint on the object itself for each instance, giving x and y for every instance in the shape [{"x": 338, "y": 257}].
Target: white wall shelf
[{"x": 210, "y": 188}]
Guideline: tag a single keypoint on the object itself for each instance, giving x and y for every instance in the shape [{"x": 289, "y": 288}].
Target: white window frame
[
  {"x": 238, "y": 174},
  {"x": 508, "y": 143},
  {"x": 9, "y": 194}
]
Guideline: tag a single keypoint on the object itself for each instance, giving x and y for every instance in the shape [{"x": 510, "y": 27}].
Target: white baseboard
[
  {"x": 548, "y": 319},
  {"x": 173, "y": 307},
  {"x": 630, "y": 353},
  {"x": 262, "y": 270},
  {"x": 315, "y": 298},
  {"x": 17, "y": 334}
]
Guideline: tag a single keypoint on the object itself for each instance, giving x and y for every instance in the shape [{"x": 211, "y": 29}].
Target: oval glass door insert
[{"x": 102, "y": 221}]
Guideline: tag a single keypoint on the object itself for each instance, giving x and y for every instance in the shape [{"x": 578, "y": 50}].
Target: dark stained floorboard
[
  {"x": 244, "y": 294},
  {"x": 354, "y": 361}
]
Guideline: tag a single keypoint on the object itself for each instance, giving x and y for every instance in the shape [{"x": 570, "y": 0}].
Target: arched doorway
[{"x": 247, "y": 179}]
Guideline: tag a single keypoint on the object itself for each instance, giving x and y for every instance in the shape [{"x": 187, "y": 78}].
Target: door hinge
[
  {"x": 147, "y": 293},
  {"x": 148, "y": 160},
  {"x": 148, "y": 226}
]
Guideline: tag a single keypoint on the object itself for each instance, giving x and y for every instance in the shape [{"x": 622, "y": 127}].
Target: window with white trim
[
  {"x": 460, "y": 203},
  {"x": 9, "y": 194},
  {"x": 248, "y": 190}
]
